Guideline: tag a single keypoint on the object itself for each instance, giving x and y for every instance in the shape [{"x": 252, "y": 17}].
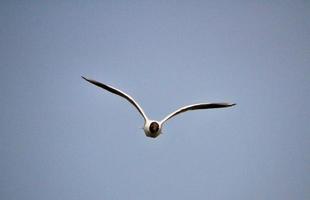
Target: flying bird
[{"x": 153, "y": 128}]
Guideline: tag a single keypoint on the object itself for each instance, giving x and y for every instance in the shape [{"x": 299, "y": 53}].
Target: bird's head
[{"x": 152, "y": 128}]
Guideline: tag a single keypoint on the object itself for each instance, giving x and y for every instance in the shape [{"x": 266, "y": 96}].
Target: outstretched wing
[
  {"x": 196, "y": 107},
  {"x": 119, "y": 93}
]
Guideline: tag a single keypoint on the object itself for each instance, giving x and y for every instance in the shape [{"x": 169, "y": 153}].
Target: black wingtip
[
  {"x": 84, "y": 78},
  {"x": 233, "y": 104}
]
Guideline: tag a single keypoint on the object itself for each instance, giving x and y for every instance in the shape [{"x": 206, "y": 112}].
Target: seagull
[{"x": 153, "y": 128}]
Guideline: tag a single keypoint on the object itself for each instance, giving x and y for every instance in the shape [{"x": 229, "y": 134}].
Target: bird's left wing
[
  {"x": 119, "y": 93},
  {"x": 196, "y": 107}
]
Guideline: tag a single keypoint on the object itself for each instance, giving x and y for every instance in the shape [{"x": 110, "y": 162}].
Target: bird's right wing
[
  {"x": 119, "y": 93},
  {"x": 196, "y": 107}
]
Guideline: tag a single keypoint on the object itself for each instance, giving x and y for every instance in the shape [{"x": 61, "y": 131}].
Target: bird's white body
[
  {"x": 153, "y": 128},
  {"x": 147, "y": 128}
]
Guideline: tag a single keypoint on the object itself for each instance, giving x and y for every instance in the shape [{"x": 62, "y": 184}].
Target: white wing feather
[
  {"x": 196, "y": 107},
  {"x": 119, "y": 93}
]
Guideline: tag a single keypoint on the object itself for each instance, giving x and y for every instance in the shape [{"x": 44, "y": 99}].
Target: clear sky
[{"x": 63, "y": 138}]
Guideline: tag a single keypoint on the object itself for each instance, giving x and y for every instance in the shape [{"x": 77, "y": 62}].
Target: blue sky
[{"x": 62, "y": 138}]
